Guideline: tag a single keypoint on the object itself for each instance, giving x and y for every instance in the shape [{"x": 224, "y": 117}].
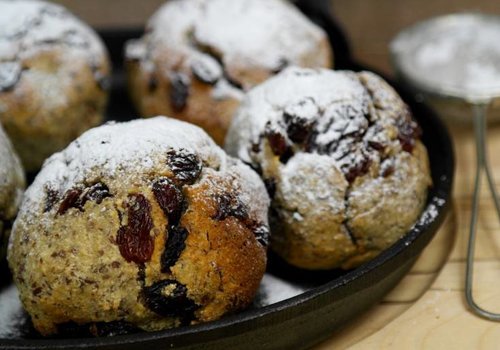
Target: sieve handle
[{"x": 480, "y": 112}]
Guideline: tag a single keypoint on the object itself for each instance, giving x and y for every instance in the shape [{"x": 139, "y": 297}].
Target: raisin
[
  {"x": 168, "y": 298},
  {"x": 228, "y": 205},
  {"x": 270, "y": 187},
  {"x": 134, "y": 240},
  {"x": 173, "y": 247},
  {"x": 179, "y": 92},
  {"x": 408, "y": 132},
  {"x": 50, "y": 200},
  {"x": 298, "y": 129},
  {"x": 277, "y": 141},
  {"x": 376, "y": 145},
  {"x": 388, "y": 171},
  {"x": 359, "y": 168},
  {"x": 71, "y": 200},
  {"x": 76, "y": 198},
  {"x": 170, "y": 199},
  {"x": 186, "y": 166},
  {"x": 287, "y": 155}
]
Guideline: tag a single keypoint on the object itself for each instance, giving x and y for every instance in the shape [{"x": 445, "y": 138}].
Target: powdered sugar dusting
[
  {"x": 28, "y": 26},
  {"x": 128, "y": 151},
  {"x": 231, "y": 37},
  {"x": 336, "y": 101},
  {"x": 334, "y": 145}
]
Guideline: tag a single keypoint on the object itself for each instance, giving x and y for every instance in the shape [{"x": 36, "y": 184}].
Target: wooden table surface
[{"x": 427, "y": 310}]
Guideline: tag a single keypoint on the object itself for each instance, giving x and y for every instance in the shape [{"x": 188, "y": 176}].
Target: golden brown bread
[
  {"x": 343, "y": 162},
  {"x": 146, "y": 224},
  {"x": 198, "y": 57},
  {"x": 12, "y": 184},
  {"x": 54, "y": 74}
]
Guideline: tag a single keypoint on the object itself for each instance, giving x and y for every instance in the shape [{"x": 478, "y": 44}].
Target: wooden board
[{"x": 427, "y": 310}]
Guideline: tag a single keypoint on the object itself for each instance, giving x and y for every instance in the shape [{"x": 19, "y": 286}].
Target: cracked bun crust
[
  {"x": 53, "y": 78},
  {"x": 198, "y": 57},
  {"x": 141, "y": 225},
  {"x": 11, "y": 188},
  {"x": 342, "y": 160}
]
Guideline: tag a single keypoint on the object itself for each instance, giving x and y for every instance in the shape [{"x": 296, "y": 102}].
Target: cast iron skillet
[{"x": 331, "y": 297}]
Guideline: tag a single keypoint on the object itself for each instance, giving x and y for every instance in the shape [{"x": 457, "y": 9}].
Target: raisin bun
[
  {"x": 53, "y": 78},
  {"x": 146, "y": 224},
  {"x": 199, "y": 56},
  {"x": 342, "y": 160},
  {"x": 11, "y": 188}
]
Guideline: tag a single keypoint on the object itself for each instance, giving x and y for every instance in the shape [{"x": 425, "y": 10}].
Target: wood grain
[{"x": 427, "y": 310}]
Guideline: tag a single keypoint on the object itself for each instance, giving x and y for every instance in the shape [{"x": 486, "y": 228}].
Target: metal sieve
[{"x": 457, "y": 57}]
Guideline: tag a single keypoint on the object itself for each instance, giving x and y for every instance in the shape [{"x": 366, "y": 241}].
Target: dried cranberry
[
  {"x": 170, "y": 199},
  {"x": 71, "y": 200},
  {"x": 168, "y": 298},
  {"x": 134, "y": 240},
  {"x": 359, "y": 168},
  {"x": 173, "y": 247},
  {"x": 179, "y": 91},
  {"x": 277, "y": 142},
  {"x": 409, "y": 132},
  {"x": 388, "y": 170},
  {"x": 228, "y": 205},
  {"x": 286, "y": 156},
  {"x": 186, "y": 166},
  {"x": 76, "y": 198},
  {"x": 298, "y": 129},
  {"x": 376, "y": 145}
]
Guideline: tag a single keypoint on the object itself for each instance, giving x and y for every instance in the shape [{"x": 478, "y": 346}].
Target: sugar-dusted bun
[
  {"x": 342, "y": 159},
  {"x": 53, "y": 78},
  {"x": 198, "y": 57},
  {"x": 11, "y": 188},
  {"x": 146, "y": 224}
]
